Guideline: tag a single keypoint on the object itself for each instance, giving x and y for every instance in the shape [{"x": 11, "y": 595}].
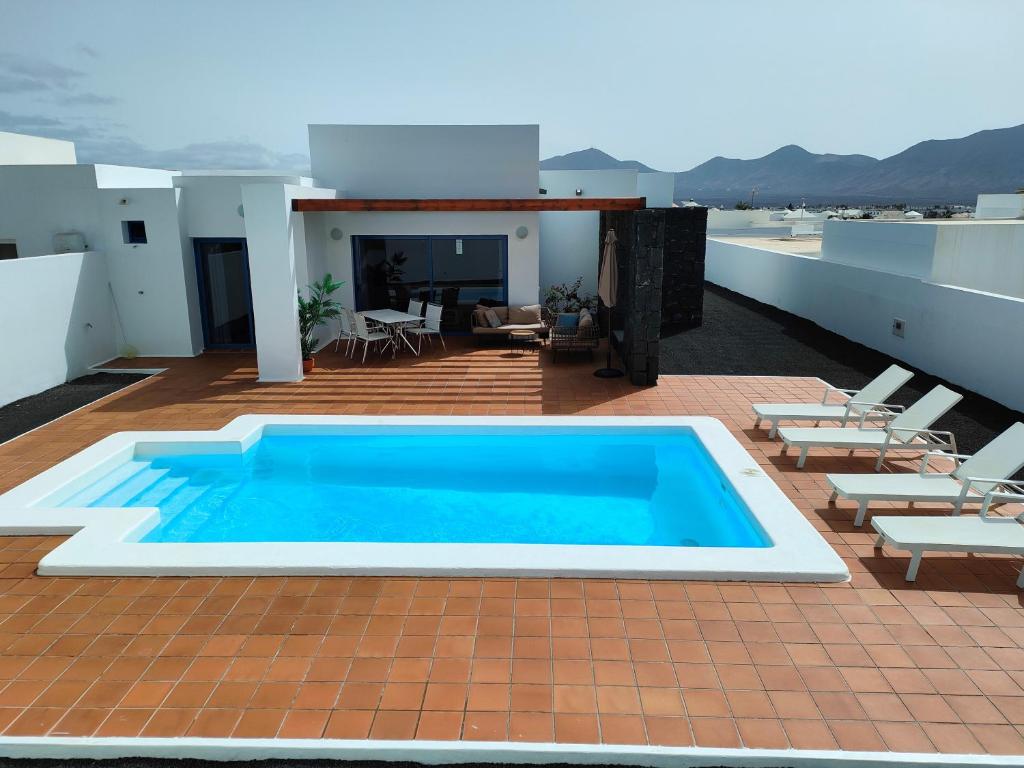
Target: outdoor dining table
[{"x": 395, "y": 321}]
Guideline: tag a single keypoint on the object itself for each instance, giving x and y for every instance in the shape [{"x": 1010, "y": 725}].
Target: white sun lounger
[
  {"x": 917, "y": 535},
  {"x": 909, "y": 430},
  {"x": 862, "y": 404},
  {"x": 968, "y": 482}
]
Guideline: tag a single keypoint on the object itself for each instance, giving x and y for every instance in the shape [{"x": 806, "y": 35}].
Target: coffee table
[{"x": 522, "y": 340}]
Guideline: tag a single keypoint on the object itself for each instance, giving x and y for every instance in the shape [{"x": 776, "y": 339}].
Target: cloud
[
  {"x": 100, "y": 145},
  {"x": 21, "y": 84},
  {"x": 44, "y": 74},
  {"x": 88, "y": 50},
  {"x": 86, "y": 99}
]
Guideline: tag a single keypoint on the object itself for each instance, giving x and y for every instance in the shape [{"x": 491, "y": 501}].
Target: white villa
[{"x": 175, "y": 262}]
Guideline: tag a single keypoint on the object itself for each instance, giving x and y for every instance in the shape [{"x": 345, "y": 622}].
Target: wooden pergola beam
[{"x": 532, "y": 204}]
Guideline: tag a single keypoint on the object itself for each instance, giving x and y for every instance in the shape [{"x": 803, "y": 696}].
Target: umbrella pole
[{"x": 608, "y": 372}]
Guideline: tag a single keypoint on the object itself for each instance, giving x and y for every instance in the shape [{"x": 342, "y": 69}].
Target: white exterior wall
[
  {"x": 659, "y": 188},
  {"x": 424, "y": 161},
  {"x": 983, "y": 256},
  {"x": 276, "y": 241},
  {"x": 523, "y": 262},
  {"x": 734, "y": 220},
  {"x": 38, "y": 201},
  {"x": 20, "y": 149},
  {"x": 57, "y": 321},
  {"x": 1000, "y": 206},
  {"x": 154, "y": 282},
  {"x": 967, "y": 337},
  {"x": 569, "y": 240}
]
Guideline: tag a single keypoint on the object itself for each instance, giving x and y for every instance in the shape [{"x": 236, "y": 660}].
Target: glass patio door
[
  {"x": 453, "y": 271},
  {"x": 225, "y": 298}
]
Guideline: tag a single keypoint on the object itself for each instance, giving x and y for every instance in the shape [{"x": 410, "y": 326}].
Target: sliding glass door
[{"x": 453, "y": 271}]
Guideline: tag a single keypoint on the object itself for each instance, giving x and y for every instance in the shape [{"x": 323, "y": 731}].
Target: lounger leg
[
  {"x": 879, "y": 541},
  {"x": 881, "y": 458},
  {"x": 833, "y": 497},
  {"x": 862, "y": 510},
  {"x": 1020, "y": 580},
  {"x": 757, "y": 422},
  {"x": 802, "y": 459},
  {"x": 774, "y": 429},
  {"x": 915, "y": 563}
]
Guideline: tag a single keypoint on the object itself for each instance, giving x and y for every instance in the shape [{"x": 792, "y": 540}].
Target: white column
[{"x": 269, "y": 233}]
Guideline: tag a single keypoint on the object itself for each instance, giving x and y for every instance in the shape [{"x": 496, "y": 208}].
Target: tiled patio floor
[{"x": 874, "y": 664}]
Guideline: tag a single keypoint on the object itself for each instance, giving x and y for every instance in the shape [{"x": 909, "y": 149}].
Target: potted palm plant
[{"x": 315, "y": 311}]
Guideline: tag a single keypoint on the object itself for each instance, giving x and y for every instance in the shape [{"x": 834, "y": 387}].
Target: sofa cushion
[
  {"x": 492, "y": 318},
  {"x": 586, "y": 324},
  {"x": 526, "y": 315},
  {"x": 479, "y": 316},
  {"x": 567, "y": 320}
]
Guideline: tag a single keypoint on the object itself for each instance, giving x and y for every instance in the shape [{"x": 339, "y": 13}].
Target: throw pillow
[
  {"x": 529, "y": 315},
  {"x": 480, "y": 317},
  {"x": 492, "y": 318},
  {"x": 567, "y": 320},
  {"x": 586, "y": 319}
]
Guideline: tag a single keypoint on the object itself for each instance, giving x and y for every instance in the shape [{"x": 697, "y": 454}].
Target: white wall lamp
[
  {"x": 522, "y": 232},
  {"x": 336, "y": 234},
  {"x": 241, "y": 211},
  {"x": 579, "y": 191}
]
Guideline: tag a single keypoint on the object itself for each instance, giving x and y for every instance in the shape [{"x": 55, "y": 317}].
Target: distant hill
[
  {"x": 590, "y": 160},
  {"x": 936, "y": 171}
]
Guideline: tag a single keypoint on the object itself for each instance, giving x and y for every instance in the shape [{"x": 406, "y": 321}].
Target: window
[
  {"x": 134, "y": 231},
  {"x": 8, "y": 250}
]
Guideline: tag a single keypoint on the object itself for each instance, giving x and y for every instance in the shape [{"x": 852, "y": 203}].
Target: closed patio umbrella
[{"x": 608, "y": 290}]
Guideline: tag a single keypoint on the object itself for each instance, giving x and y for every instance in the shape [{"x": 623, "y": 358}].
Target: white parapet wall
[
  {"x": 56, "y": 316},
  {"x": 968, "y": 337}
]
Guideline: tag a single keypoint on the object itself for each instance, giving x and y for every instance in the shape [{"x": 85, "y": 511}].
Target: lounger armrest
[
  {"x": 958, "y": 459},
  {"x": 885, "y": 410},
  {"x": 829, "y": 389},
  {"x": 997, "y": 496},
  {"x": 926, "y": 433}
]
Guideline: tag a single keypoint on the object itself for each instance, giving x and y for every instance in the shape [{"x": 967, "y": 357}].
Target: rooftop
[
  {"x": 808, "y": 245},
  {"x": 873, "y": 664}
]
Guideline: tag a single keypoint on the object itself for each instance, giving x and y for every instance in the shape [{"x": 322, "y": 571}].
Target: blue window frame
[{"x": 225, "y": 292}]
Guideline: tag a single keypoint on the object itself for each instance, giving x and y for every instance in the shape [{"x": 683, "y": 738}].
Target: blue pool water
[{"x": 654, "y": 488}]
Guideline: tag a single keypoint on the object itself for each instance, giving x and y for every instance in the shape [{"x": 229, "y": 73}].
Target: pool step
[
  {"x": 186, "y": 496},
  {"x": 137, "y": 485},
  {"x": 88, "y": 495}
]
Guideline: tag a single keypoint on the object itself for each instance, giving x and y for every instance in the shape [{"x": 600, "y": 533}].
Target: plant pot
[{"x": 308, "y": 363}]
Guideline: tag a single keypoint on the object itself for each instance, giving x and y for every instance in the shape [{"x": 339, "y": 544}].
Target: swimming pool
[{"x": 653, "y": 497}]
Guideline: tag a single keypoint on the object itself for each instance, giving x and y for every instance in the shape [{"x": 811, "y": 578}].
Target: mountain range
[{"x": 934, "y": 171}]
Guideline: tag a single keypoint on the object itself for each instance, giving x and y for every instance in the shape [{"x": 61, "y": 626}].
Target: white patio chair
[
  {"x": 415, "y": 308},
  {"x": 431, "y": 327},
  {"x": 346, "y": 329},
  {"x": 368, "y": 334},
  {"x": 910, "y": 430},
  {"x": 868, "y": 402},
  {"x": 969, "y": 481},
  {"x": 981, "y": 533}
]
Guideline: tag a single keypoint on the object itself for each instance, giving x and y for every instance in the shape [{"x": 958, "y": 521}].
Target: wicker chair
[{"x": 571, "y": 338}]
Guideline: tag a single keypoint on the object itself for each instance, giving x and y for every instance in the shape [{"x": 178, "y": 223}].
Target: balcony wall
[
  {"x": 968, "y": 337},
  {"x": 57, "y": 319}
]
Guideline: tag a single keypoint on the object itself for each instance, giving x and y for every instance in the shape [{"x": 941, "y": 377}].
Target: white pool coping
[
  {"x": 105, "y": 540},
  {"x": 458, "y": 752}
]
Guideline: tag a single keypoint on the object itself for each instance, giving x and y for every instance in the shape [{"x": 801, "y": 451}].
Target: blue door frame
[
  {"x": 357, "y": 248},
  {"x": 201, "y": 283}
]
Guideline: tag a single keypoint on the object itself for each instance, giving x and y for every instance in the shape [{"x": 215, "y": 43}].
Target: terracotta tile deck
[{"x": 874, "y": 664}]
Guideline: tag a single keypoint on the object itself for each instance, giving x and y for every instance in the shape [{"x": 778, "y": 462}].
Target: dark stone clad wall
[
  {"x": 636, "y": 320},
  {"x": 683, "y": 288}
]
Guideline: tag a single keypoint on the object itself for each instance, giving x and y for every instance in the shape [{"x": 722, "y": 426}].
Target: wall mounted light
[
  {"x": 579, "y": 191},
  {"x": 336, "y": 234},
  {"x": 123, "y": 201},
  {"x": 241, "y": 211},
  {"x": 522, "y": 232}
]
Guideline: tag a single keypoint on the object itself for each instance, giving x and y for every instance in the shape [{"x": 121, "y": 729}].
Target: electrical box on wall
[
  {"x": 69, "y": 242},
  {"x": 898, "y": 326}
]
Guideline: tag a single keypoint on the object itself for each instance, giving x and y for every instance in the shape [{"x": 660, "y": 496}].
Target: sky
[{"x": 233, "y": 83}]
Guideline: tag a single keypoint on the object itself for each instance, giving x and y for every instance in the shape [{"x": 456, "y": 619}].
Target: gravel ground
[
  {"x": 30, "y": 412},
  {"x": 741, "y": 336}
]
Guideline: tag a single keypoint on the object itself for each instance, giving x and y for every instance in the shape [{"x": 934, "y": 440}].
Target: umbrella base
[{"x": 608, "y": 373}]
